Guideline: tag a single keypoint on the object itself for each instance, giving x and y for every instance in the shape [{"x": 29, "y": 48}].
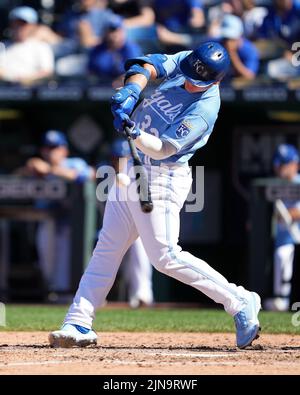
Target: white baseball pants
[
  {"x": 53, "y": 244},
  {"x": 283, "y": 270},
  {"x": 124, "y": 221}
]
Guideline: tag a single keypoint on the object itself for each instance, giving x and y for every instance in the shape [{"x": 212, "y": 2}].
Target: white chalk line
[
  {"x": 138, "y": 363},
  {"x": 191, "y": 355},
  {"x": 119, "y": 361},
  {"x": 32, "y": 363}
]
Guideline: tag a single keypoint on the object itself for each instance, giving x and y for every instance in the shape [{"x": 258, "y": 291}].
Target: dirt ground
[{"x": 150, "y": 353}]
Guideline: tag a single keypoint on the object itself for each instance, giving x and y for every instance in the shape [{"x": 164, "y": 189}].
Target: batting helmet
[
  {"x": 284, "y": 154},
  {"x": 54, "y": 138},
  {"x": 206, "y": 64}
]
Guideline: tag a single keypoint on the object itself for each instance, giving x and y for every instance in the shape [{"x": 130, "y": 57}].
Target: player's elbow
[
  {"x": 151, "y": 69},
  {"x": 165, "y": 152}
]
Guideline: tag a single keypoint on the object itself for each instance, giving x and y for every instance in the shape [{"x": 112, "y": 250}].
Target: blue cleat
[
  {"x": 246, "y": 322},
  {"x": 71, "y": 335}
]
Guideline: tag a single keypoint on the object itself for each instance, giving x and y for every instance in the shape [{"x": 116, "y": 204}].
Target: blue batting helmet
[
  {"x": 206, "y": 64},
  {"x": 284, "y": 154},
  {"x": 54, "y": 138}
]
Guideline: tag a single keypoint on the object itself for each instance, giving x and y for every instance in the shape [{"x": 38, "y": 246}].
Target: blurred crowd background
[
  {"x": 93, "y": 38},
  {"x": 59, "y": 64}
]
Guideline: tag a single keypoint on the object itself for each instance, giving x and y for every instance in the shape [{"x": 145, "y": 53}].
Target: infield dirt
[{"x": 150, "y": 353}]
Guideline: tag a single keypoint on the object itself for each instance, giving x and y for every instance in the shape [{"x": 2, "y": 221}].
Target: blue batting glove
[
  {"x": 126, "y": 98},
  {"x": 121, "y": 120},
  {"x": 134, "y": 132}
]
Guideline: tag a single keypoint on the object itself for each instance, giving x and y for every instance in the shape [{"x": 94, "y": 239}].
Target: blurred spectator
[
  {"x": 247, "y": 10},
  {"x": 178, "y": 16},
  {"x": 38, "y": 31},
  {"x": 283, "y": 68},
  {"x": 136, "y": 13},
  {"x": 253, "y": 17},
  {"x": 178, "y": 20},
  {"x": 87, "y": 24},
  {"x": 286, "y": 166},
  {"x": 282, "y": 27},
  {"x": 45, "y": 34},
  {"x": 282, "y": 22},
  {"x": 55, "y": 163},
  {"x": 107, "y": 59},
  {"x": 216, "y": 14},
  {"x": 83, "y": 29},
  {"x": 26, "y": 59},
  {"x": 243, "y": 54},
  {"x": 139, "y": 21}
]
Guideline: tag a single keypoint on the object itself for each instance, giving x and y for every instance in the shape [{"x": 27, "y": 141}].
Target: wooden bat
[{"x": 140, "y": 175}]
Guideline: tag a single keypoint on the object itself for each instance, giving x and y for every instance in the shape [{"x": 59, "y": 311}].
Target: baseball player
[
  {"x": 286, "y": 166},
  {"x": 54, "y": 253},
  {"x": 168, "y": 127}
]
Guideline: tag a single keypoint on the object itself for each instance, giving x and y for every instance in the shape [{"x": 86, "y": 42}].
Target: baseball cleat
[
  {"x": 71, "y": 335},
  {"x": 246, "y": 322}
]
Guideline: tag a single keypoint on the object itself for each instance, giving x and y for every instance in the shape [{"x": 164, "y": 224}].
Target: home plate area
[{"x": 150, "y": 353}]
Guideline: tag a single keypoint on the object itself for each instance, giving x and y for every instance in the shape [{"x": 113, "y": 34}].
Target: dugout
[
  {"x": 252, "y": 121},
  {"x": 20, "y": 278},
  {"x": 264, "y": 194}
]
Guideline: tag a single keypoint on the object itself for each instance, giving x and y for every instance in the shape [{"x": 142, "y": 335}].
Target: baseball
[{"x": 123, "y": 180}]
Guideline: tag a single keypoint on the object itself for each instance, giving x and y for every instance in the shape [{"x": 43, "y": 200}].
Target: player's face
[
  {"x": 194, "y": 89},
  {"x": 88, "y": 4},
  {"x": 54, "y": 155},
  {"x": 287, "y": 171},
  {"x": 20, "y": 30},
  {"x": 284, "y": 5},
  {"x": 116, "y": 38}
]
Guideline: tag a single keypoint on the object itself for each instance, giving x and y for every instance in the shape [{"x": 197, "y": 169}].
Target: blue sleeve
[
  {"x": 93, "y": 58},
  {"x": 252, "y": 63},
  {"x": 250, "y": 57},
  {"x": 164, "y": 65},
  {"x": 133, "y": 50},
  {"x": 297, "y": 5},
  {"x": 187, "y": 131},
  {"x": 195, "y": 4},
  {"x": 82, "y": 168},
  {"x": 263, "y": 31}
]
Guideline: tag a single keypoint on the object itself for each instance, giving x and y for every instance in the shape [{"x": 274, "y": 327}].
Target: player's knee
[{"x": 162, "y": 262}]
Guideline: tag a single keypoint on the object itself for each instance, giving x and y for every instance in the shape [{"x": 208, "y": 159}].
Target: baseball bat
[
  {"x": 140, "y": 175},
  {"x": 287, "y": 219}
]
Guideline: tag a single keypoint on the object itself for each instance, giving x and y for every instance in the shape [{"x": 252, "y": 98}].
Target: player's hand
[
  {"x": 125, "y": 99},
  {"x": 122, "y": 120},
  {"x": 38, "y": 166},
  {"x": 231, "y": 45}
]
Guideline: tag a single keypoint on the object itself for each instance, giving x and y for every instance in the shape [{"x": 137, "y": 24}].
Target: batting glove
[
  {"x": 121, "y": 120},
  {"x": 134, "y": 132},
  {"x": 126, "y": 98}
]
